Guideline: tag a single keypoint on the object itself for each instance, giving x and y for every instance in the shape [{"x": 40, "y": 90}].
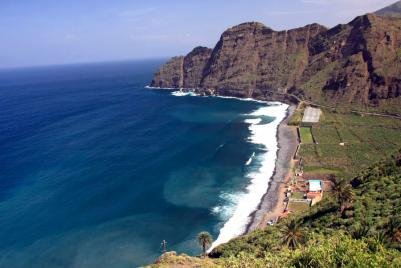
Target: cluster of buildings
[{"x": 303, "y": 192}]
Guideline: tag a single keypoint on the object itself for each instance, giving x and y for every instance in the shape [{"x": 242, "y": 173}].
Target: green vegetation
[
  {"x": 358, "y": 225},
  {"x": 204, "y": 240},
  {"x": 298, "y": 206},
  {"x": 335, "y": 251},
  {"x": 344, "y": 194},
  {"x": 321, "y": 170},
  {"x": 297, "y": 195},
  {"x": 296, "y": 117},
  {"x": 306, "y": 135},
  {"x": 292, "y": 233},
  {"x": 364, "y": 140}
]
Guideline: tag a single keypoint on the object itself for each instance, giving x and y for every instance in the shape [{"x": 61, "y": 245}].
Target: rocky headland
[{"x": 351, "y": 65}]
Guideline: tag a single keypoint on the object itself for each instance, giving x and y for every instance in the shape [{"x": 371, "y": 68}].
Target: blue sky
[{"x": 44, "y": 32}]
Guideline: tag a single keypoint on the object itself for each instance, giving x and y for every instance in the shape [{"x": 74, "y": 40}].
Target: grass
[
  {"x": 367, "y": 139},
  {"x": 306, "y": 135},
  {"x": 326, "y": 134},
  {"x": 323, "y": 170},
  {"x": 297, "y": 195},
  {"x": 298, "y": 206},
  {"x": 296, "y": 117}
]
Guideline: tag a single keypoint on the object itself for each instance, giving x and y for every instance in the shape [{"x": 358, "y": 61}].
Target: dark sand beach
[{"x": 271, "y": 204}]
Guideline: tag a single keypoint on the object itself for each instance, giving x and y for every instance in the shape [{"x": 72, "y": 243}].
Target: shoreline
[{"x": 270, "y": 206}]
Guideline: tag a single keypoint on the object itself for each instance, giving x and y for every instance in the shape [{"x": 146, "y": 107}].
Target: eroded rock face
[
  {"x": 358, "y": 63},
  {"x": 170, "y": 75},
  {"x": 354, "y": 64},
  {"x": 183, "y": 72},
  {"x": 251, "y": 59},
  {"x": 194, "y": 66}
]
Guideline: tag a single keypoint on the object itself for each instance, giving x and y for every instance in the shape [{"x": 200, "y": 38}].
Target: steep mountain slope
[
  {"x": 393, "y": 10},
  {"x": 354, "y": 65}
]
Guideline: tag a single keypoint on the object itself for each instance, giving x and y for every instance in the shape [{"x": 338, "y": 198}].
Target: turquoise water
[{"x": 96, "y": 170}]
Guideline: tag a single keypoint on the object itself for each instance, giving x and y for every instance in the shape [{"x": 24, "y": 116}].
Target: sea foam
[
  {"x": 265, "y": 135},
  {"x": 240, "y": 206},
  {"x": 250, "y": 160},
  {"x": 180, "y": 93}
]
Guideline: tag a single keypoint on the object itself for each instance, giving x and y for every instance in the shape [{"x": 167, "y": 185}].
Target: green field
[
  {"x": 298, "y": 206},
  {"x": 306, "y": 135},
  {"x": 297, "y": 195},
  {"x": 366, "y": 140}
]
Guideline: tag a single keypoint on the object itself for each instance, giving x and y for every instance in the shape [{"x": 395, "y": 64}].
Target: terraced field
[
  {"x": 346, "y": 143},
  {"x": 306, "y": 135}
]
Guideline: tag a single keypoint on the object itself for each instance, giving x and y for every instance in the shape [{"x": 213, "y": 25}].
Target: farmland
[
  {"x": 306, "y": 135},
  {"x": 346, "y": 143}
]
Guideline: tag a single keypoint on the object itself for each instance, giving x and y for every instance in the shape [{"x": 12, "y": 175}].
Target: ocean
[{"x": 96, "y": 170}]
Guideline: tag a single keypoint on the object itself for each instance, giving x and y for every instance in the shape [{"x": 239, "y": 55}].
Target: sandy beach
[{"x": 271, "y": 204}]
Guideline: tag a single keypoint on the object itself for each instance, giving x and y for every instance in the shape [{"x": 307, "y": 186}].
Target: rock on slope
[{"x": 356, "y": 65}]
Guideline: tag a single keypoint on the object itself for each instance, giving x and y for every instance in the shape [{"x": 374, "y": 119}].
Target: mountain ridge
[
  {"x": 350, "y": 65},
  {"x": 393, "y": 10}
]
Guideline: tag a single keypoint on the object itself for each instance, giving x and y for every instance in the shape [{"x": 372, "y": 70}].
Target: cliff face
[
  {"x": 194, "y": 65},
  {"x": 354, "y": 64},
  {"x": 170, "y": 75},
  {"x": 183, "y": 72},
  {"x": 251, "y": 59}
]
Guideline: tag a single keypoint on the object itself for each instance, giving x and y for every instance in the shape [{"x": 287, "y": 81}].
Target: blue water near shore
[{"x": 96, "y": 170}]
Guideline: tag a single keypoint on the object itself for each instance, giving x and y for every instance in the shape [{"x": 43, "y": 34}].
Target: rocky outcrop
[
  {"x": 170, "y": 75},
  {"x": 356, "y": 64},
  {"x": 183, "y": 72},
  {"x": 194, "y": 66},
  {"x": 251, "y": 60}
]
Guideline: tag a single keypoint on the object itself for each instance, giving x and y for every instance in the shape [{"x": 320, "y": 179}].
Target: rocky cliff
[{"x": 355, "y": 65}]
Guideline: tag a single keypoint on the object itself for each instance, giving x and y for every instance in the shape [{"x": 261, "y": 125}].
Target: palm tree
[
  {"x": 381, "y": 237},
  {"x": 360, "y": 231},
  {"x": 204, "y": 240},
  {"x": 292, "y": 233},
  {"x": 344, "y": 194},
  {"x": 394, "y": 229}
]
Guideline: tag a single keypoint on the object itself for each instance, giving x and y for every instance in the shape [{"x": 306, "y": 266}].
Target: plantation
[
  {"x": 306, "y": 135},
  {"x": 346, "y": 143}
]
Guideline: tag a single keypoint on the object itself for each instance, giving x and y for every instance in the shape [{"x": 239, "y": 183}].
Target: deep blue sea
[{"x": 96, "y": 170}]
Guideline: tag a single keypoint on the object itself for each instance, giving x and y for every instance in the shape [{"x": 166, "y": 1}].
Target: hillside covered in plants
[{"x": 357, "y": 225}]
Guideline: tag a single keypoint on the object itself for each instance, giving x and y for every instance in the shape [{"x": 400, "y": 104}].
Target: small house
[
  {"x": 315, "y": 191},
  {"x": 315, "y": 186}
]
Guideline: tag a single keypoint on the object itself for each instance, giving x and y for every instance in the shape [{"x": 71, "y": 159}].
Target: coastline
[{"x": 271, "y": 204}]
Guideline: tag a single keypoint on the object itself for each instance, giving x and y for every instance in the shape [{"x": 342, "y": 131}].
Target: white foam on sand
[{"x": 265, "y": 135}]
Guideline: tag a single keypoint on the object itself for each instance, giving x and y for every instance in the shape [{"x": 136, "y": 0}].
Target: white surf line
[
  {"x": 247, "y": 203},
  {"x": 250, "y": 159},
  {"x": 266, "y": 135}
]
